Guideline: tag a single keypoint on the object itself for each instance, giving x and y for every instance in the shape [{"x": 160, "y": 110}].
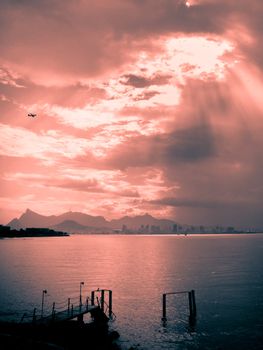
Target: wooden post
[
  {"x": 164, "y": 308},
  {"x": 190, "y": 303},
  {"x": 193, "y": 303},
  {"x": 53, "y": 311},
  {"x": 98, "y": 301},
  {"x": 110, "y": 303},
  {"x": 92, "y": 297},
  {"x": 68, "y": 305},
  {"x": 102, "y": 300},
  {"x": 71, "y": 310},
  {"x": 87, "y": 303}
]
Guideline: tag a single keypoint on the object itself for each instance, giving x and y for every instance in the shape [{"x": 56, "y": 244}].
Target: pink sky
[{"x": 143, "y": 106}]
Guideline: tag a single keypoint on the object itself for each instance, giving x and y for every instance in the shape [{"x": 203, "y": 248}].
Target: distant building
[{"x": 175, "y": 228}]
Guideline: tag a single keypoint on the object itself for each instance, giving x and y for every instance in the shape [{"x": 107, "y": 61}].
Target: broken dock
[{"x": 95, "y": 304}]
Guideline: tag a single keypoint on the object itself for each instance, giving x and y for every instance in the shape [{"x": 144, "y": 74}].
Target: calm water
[{"x": 225, "y": 271}]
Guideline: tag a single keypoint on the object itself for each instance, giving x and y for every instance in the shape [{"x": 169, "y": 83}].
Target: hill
[{"x": 83, "y": 223}]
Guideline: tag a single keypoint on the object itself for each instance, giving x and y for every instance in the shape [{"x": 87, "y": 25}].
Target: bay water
[{"x": 226, "y": 272}]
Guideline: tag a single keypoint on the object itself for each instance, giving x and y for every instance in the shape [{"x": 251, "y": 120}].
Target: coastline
[{"x": 7, "y": 232}]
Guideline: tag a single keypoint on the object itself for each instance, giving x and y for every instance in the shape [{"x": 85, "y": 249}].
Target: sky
[{"x": 143, "y": 106}]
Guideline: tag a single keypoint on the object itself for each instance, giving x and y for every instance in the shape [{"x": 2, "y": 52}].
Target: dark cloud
[
  {"x": 212, "y": 162},
  {"x": 187, "y": 145},
  {"x": 208, "y": 148},
  {"x": 142, "y": 82},
  {"x": 147, "y": 95},
  {"x": 212, "y": 203},
  {"x": 89, "y": 38}
]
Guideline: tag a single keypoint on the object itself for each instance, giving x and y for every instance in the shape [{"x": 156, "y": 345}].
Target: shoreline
[{"x": 70, "y": 335}]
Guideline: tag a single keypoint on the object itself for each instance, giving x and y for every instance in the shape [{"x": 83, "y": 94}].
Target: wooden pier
[
  {"x": 50, "y": 326},
  {"x": 96, "y": 305}
]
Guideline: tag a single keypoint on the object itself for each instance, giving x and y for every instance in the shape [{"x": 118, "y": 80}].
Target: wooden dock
[
  {"x": 66, "y": 315},
  {"x": 50, "y": 325},
  {"x": 96, "y": 305}
]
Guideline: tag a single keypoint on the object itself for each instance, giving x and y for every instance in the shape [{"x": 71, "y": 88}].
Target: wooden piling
[
  {"x": 190, "y": 303},
  {"x": 193, "y": 303},
  {"x": 53, "y": 310},
  {"x": 164, "y": 308},
  {"x": 68, "y": 305},
  {"x": 110, "y": 303},
  {"x": 98, "y": 301},
  {"x": 102, "y": 299},
  {"x": 92, "y": 297}
]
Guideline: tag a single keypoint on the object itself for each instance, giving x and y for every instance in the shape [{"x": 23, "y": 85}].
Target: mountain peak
[
  {"x": 73, "y": 220},
  {"x": 146, "y": 215}
]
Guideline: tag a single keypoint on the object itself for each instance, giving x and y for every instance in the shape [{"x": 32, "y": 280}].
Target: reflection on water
[{"x": 225, "y": 271}]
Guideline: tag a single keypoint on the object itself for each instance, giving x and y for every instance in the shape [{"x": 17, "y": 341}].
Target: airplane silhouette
[{"x": 31, "y": 115}]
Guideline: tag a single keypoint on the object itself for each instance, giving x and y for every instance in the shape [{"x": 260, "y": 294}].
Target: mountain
[
  {"x": 83, "y": 223},
  {"x": 15, "y": 224},
  {"x": 84, "y": 219},
  {"x": 71, "y": 226},
  {"x": 137, "y": 221},
  {"x": 33, "y": 219}
]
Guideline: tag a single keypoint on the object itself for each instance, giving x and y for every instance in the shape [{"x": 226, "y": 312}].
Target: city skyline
[{"x": 139, "y": 107}]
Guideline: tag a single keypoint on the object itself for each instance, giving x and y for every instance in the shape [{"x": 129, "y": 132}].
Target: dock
[
  {"x": 62, "y": 326},
  {"x": 95, "y": 305}
]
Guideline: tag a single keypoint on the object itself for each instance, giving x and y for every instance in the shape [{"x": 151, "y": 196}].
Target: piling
[
  {"x": 53, "y": 311},
  {"x": 193, "y": 303},
  {"x": 110, "y": 303},
  {"x": 102, "y": 299},
  {"x": 68, "y": 305},
  {"x": 190, "y": 303},
  {"x": 164, "y": 308},
  {"x": 93, "y": 297}
]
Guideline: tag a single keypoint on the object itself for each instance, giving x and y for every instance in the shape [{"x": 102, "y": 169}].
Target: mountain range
[{"x": 75, "y": 222}]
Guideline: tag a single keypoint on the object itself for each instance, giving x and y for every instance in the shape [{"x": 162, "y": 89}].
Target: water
[{"x": 224, "y": 270}]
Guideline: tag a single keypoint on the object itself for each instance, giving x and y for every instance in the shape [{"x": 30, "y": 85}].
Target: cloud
[
  {"x": 191, "y": 144},
  {"x": 142, "y": 106},
  {"x": 20, "y": 142},
  {"x": 65, "y": 41},
  {"x": 141, "y": 81},
  {"x": 92, "y": 185}
]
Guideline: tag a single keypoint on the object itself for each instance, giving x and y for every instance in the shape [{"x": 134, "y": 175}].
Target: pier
[
  {"x": 62, "y": 326},
  {"x": 95, "y": 305}
]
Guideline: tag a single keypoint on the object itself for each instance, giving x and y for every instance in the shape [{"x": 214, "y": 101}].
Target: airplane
[{"x": 33, "y": 115}]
